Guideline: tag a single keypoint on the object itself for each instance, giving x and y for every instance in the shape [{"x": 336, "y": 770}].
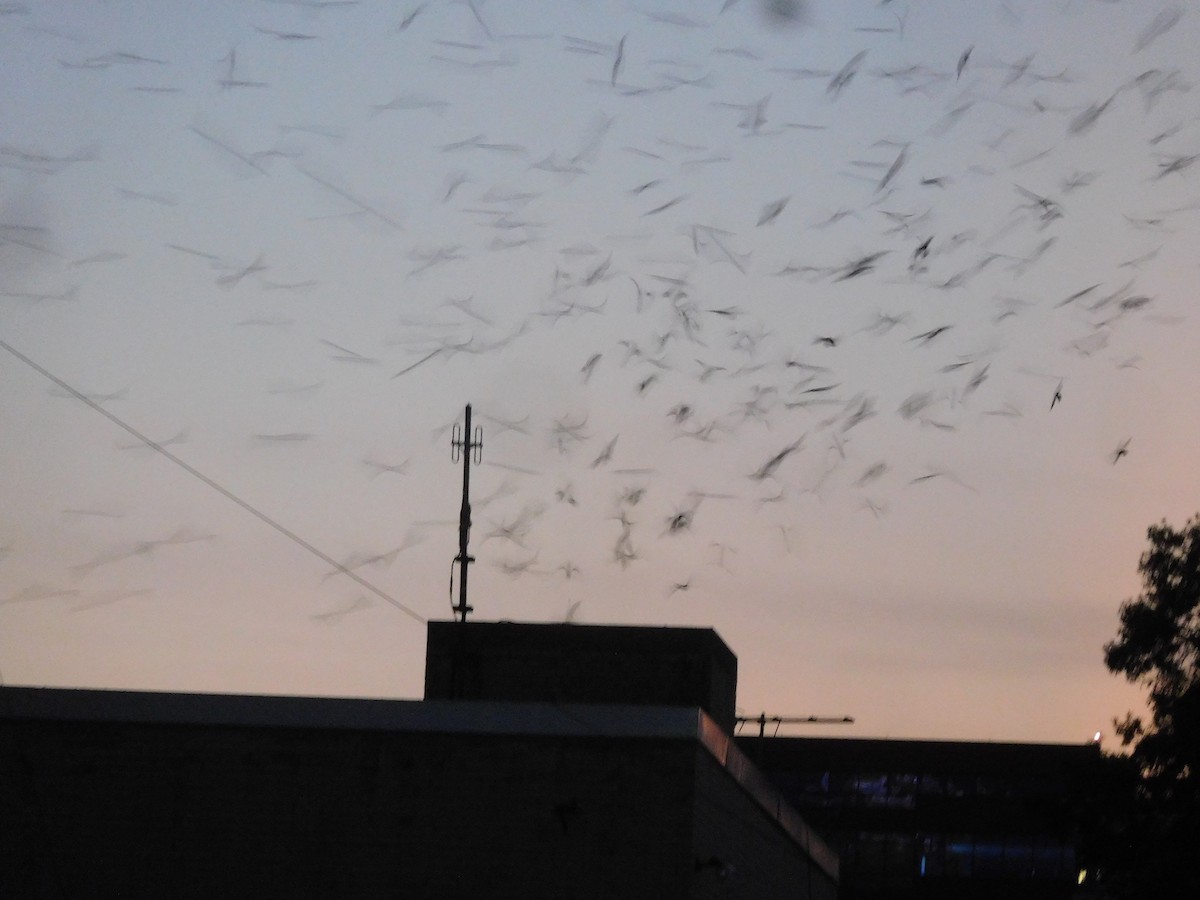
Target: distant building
[
  {"x": 940, "y": 819},
  {"x": 546, "y": 761}
]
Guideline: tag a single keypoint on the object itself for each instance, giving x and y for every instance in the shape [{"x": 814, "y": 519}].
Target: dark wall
[
  {"x": 741, "y": 853},
  {"x": 122, "y": 810}
]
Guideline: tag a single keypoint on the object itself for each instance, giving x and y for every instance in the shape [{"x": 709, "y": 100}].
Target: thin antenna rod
[{"x": 469, "y": 445}]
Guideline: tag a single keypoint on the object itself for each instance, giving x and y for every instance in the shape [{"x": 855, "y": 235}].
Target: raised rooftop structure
[{"x": 561, "y": 663}]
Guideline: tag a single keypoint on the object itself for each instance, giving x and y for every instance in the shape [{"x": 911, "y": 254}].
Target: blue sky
[{"x": 762, "y": 309}]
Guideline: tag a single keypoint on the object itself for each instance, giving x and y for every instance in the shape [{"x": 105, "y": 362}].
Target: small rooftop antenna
[
  {"x": 467, "y": 445},
  {"x": 762, "y": 719}
]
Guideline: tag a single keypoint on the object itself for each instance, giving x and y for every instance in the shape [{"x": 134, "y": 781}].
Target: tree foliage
[{"x": 1158, "y": 646}]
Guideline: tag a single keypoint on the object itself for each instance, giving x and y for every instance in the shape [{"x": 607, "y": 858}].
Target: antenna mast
[{"x": 469, "y": 446}]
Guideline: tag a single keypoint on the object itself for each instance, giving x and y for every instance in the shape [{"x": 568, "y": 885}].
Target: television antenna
[
  {"x": 762, "y": 719},
  {"x": 466, "y": 445}
]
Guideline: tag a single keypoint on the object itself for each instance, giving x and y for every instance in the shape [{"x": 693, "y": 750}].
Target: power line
[{"x": 229, "y": 495}]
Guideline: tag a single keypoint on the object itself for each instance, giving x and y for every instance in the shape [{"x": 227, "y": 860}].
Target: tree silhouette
[{"x": 1158, "y": 646}]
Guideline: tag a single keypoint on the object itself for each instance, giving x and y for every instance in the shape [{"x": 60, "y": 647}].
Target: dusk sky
[{"x": 864, "y": 333}]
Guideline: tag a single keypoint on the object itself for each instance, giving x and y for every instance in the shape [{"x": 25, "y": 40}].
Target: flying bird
[
  {"x": 620, "y": 57},
  {"x": 767, "y": 469},
  {"x": 962, "y": 62}
]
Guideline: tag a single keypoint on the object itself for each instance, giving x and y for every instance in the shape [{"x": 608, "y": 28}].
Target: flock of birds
[{"x": 705, "y": 271}]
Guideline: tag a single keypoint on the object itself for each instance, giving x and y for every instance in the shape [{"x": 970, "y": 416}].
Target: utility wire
[{"x": 229, "y": 495}]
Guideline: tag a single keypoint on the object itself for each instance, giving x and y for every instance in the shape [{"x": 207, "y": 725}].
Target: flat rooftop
[{"x": 276, "y": 711}]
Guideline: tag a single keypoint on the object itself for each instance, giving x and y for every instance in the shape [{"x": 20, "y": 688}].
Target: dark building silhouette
[
  {"x": 941, "y": 819},
  {"x": 564, "y": 762},
  {"x": 545, "y": 761}
]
